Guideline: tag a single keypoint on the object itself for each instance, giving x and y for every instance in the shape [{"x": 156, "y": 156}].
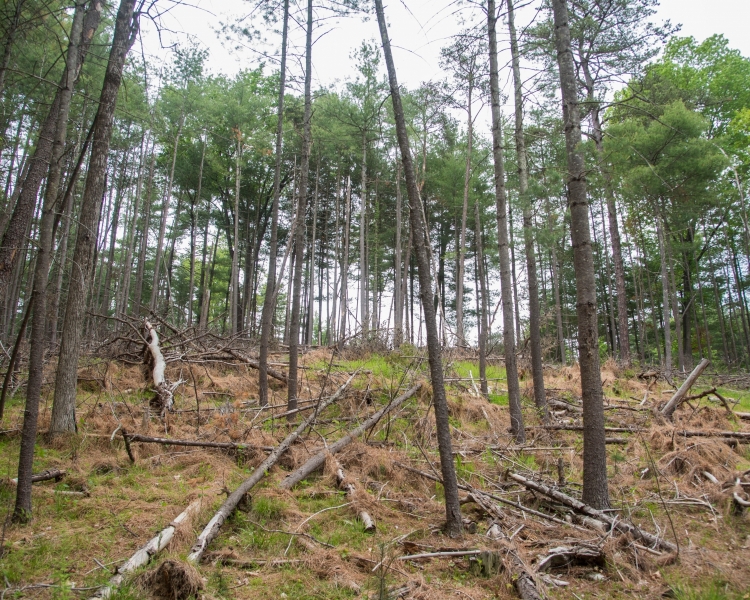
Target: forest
[{"x": 484, "y": 337}]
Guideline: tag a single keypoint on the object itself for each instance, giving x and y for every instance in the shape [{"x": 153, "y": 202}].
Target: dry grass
[{"x": 654, "y": 479}]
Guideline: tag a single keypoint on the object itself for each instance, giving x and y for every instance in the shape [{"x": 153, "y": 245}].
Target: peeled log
[
  {"x": 163, "y": 392},
  {"x": 350, "y": 488},
  {"x": 143, "y": 555},
  {"x": 316, "y": 461},
  {"x": 211, "y": 530}
]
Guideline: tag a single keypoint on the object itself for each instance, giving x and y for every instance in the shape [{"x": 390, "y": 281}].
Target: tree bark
[
  {"x": 299, "y": 238},
  {"x": 454, "y": 525},
  {"x": 63, "y": 408},
  {"x": 13, "y": 238},
  {"x": 345, "y": 264},
  {"x": 22, "y": 510},
  {"x": 514, "y": 390},
  {"x": 595, "y": 490},
  {"x": 537, "y": 371}
]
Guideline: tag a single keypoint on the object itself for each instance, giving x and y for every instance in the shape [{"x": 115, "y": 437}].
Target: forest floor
[{"x": 657, "y": 480}]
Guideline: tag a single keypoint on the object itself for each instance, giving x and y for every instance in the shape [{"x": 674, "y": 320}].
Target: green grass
[
  {"x": 741, "y": 396},
  {"x": 462, "y": 368},
  {"x": 499, "y": 399}
]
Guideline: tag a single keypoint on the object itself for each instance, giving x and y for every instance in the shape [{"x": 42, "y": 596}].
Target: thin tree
[
  {"x": 535, "y": 336},
  {"x": 22, "y": 511},
  {"x": 595, "y": 490},
  {"x": 454, "y": 526},
  {"x": 63, "y": 407},
  {"x": 506, "y": 288},
  {"x": 299, "y": 235}
]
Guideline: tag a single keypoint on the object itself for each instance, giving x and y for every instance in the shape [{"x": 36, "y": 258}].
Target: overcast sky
[{"x": 418, "y": 28}]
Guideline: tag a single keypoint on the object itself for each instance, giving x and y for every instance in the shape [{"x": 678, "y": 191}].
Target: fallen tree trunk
[
  {"x": 350, "y": 489},
  {"x": 316, "y": 461},
  {"x": 679, "y": 395},
  {"x": 736, "y": 435},
  {"x": 254, "y": 364},
  {"x": 589, "y": 511},
  {"x": 164, "y": 394},
  {"x": 56, "y": 474},
  {"x": 144, "y": 439},
  {"x": 211, "y": 530},
  {"x": 144, "y": 554},
  {"x": 580, "y": 428}
]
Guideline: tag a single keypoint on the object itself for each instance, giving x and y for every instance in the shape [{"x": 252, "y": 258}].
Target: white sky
[{"x": 418, "y": 28}]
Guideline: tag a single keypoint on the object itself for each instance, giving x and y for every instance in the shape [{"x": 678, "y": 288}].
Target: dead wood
[
  {"x": 589, "y": 511},
  {"x": 316, "y": 461},
  {"x": 735, "y": 435},
  {"x": 56, "y": 474},
  {"x": 580, "y": 428},
  {"x": 227, "y": 508},
  {"x": 144, "y": 554},
  {"x": 350, "y": 489},
  {"x": 679, "y": 395},
  {"x": 144, "y": 439},
  {"x": 164, "y": 392},
  {"x": 566, "y": 556}
]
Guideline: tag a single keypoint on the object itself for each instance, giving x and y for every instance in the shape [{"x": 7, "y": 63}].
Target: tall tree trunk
[
  {"x": 311, "y": 282},
  {"x": 22, "y": 511},
  {"x": 10, "y": 36},
  {"x": 666, "y": 306},
  {"x": 141, "y": 267},
  {"x": 234, "y": 298},
  {"x": 63, "y": 408},
  {"x": 163, "y": 223},
  {"x": 595, "y": 490},
  {"x": 460, "y": 335},
  {"x": 514, "y": 390},
  {"x": 483, "y": 316},
  {"x": 193, "y": 233},
  {"x": 344, "y": 311},
  {"x": 537, "y": 372},
  {"x": 124, "y": 294},
  {"x": 299, "y": 238},
  {"x": 266, "y": 325},
  {"x": 13, "y": 238},
  {"x": 614, "y": 233},
  {"x": 454, "y": 525},
  {"x": 363, "y": 305},
  {"x": 398, "y": 298}
]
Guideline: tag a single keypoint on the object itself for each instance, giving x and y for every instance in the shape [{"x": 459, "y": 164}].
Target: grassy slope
[{"x": 71, "y": 537}]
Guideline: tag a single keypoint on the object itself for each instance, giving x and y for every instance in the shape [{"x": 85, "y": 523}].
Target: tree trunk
[
  {"x": 10, "y": 37},
  {"x": 63, "y": 408},
  {"x": 163, "y": 224},
  {"x": 363, "y": 306},
  {"x": 140, "y": 269},
  {"x": 460, "y": 335},
  {"x": 22, "y": 511},
  {"x": 595, "y": 490},
  {"x": 454, "y": 525},
  {"x": 266, "y": 319},
  {"x": 537, "y": 372},
  {"x": 345, "y": 264},
  {"x": 13, "y": 238},
  {"x": 299, "y": 238},
  {"x": 514, "y": 391},
  {"x": 398, "y": 298},
  {"x": 482, "y": 317},
  {"x": 234, "y": 295},
  {"x": 311, "y": 299}
]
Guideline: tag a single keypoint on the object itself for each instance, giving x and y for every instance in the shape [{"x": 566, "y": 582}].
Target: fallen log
[
  {"x": 474, "y": 494},
  {"x": 350, "y": 489},
  {"x": 164, "y": 392},
  {"x": 316, "y": 461},
  {"x": 580, "y": 428},
  {"x": 590, "y": 511},
  {"x": 736, "y": 435},
  {"x": 565, "y": 556},
  {"x": 56, "y": 474},
  {"x": 144, "y": 439},
  {"x": 144, "y": 554},
  {"x": 679, "y": 395},
  {"x": 211, "y": 530},
  {"x": 255, "y": 365}
]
